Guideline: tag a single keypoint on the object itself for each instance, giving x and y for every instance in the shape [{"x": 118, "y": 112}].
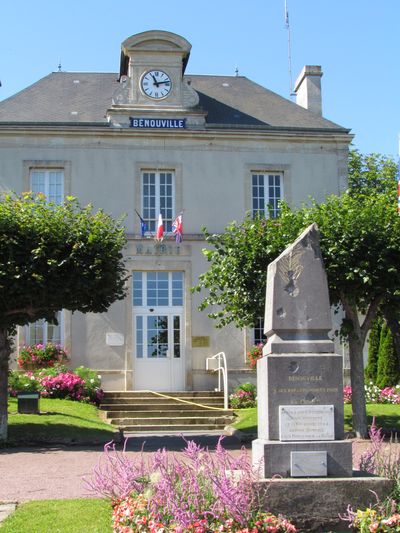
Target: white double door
[{"x": 158, "y": 331}]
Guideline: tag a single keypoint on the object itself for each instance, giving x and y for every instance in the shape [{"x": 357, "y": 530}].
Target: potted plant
[{"x": 41, "y": 356}]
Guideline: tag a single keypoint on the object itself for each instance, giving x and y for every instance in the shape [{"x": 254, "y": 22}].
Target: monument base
[
  {"x": 317, "y": 504},
  {"x": 275, "y": 457}
]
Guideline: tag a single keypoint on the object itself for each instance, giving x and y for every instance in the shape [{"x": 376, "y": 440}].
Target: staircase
[{"x": 167, "y": 412}]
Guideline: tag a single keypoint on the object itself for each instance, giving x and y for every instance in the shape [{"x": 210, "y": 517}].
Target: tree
[
  {"x": 387, "y": 374},
  {"x": 373, "y": 350},
  {"x": 360, "y": 244},
  {"x": 53, "y": 257}
]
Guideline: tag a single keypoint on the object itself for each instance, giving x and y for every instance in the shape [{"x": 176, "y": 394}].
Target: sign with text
[
  {"x": 157, "y": 123},
  {"x": 306, "y": 422}
]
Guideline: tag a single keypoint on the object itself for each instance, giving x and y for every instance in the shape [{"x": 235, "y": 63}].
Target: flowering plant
[
  {"x": 254, "y": 354},
  {"x": 199, "y": 492},
  {"x": 83, "y": 384},
  {"x": 244, "y": 396},
  {"x": 374, "y": 394},
  {"x": 41, "y": 356}
]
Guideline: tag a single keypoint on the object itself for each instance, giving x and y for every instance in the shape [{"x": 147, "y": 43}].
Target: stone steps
[{"x": 136, "y": 411}]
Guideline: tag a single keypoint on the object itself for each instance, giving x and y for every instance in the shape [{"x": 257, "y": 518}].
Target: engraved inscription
[{"x": 311, "y": 422}]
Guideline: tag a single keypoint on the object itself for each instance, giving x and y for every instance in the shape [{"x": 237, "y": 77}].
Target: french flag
[{"x": 160, "y": 228}]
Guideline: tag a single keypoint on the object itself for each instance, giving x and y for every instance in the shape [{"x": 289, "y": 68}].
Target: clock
[{"x": 156, "y": 84}]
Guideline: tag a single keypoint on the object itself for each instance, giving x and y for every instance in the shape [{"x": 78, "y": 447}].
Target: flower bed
[
  {"x": 200, "y": 492},
  {"x": 244, "y": 396},
  {"x": 375, "y": 395},
  {"x": 82, "y": 384}
]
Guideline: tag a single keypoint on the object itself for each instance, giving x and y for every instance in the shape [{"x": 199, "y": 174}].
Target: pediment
[{"x": 156, "y": 40}]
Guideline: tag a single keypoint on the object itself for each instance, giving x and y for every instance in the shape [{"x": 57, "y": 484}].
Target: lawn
[
  {"x": 387, "y": 417},
  {"x": 59, "y": 421},
  {"x": 60, "y": 516}
]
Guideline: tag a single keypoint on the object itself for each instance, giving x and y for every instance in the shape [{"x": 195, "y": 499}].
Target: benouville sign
[{"x": 157, "y": 123}]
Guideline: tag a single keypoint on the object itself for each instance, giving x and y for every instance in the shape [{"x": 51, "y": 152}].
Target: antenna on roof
[
  {"x": 236, "y": 71},
  {"x": 287, "y": 26},
  {"x": 59, "y": 64}
]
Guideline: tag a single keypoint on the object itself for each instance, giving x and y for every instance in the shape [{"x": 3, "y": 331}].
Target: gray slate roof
[{"x": 81, "y": 97}]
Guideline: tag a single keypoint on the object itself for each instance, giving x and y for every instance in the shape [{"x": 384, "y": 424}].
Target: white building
[{"x": 152, "y": 140}]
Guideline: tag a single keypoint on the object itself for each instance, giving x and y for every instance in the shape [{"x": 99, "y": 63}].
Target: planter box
[{"x": 28, "y": 402}]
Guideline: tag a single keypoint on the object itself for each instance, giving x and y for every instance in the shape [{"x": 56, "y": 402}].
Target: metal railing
[{"x": 217, "y": 363}]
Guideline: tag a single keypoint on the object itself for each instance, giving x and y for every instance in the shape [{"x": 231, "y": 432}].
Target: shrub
[
  {"x": 22, "y": 382},
  {"x": 373, "y": 350},
  {"x": 388, "y": 366},
  {"x": 244, "y": 396},
  {"x": 63, "y": 385},
  {"x": 57, "y": 382},
  {"x": 200, "y": 492},
  {"x": 254, "y": 354},
  {"x": 41, "y": 356}
]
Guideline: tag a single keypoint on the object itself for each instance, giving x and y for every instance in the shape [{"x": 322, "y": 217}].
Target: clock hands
[{"x": 156, "y": 83}]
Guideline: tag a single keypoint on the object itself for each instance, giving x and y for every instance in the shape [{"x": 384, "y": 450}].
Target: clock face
[{"x": 156, "y": 84}]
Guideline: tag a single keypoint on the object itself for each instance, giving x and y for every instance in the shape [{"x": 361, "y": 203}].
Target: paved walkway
[{"x": 36, "y": 473}]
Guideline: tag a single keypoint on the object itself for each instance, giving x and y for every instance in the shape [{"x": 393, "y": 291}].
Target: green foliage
[
  {"x": 236, "y": 279},
  {"x": 372, "y": 173},
  {"x": 373, "y": 350},
  {"x": 388, "y": 371},
  {"x": 244, "y": 396},
  {"x": 55, "y": 257},
  {"x": 22, "y": 382},
  {"x": 60, "y": 516}
]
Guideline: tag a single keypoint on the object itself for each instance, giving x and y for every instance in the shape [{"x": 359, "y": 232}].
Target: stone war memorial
[{"x": 301, "y": 447}]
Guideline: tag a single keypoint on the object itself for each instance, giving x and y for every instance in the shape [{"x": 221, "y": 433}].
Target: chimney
[{"x": 308, "y": 89}]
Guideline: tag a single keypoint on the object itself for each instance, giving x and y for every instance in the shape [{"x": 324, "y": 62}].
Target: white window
[
  {"x": 158, "y": 196},
  {"x": 266, "y": 194},
  {"x": 258, "y": 332},
  {"x": 48, "y": 182},
  {"x": 41, "y": 332},
  {"x": 158, "y": 289}
]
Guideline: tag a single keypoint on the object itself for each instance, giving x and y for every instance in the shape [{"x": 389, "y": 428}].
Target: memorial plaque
[
  {"x": 306, "y": 422},
  {"x": 115, "y": 339},
  {"x": 309, "y": 464},
  {"x": 200, "y": 342}
]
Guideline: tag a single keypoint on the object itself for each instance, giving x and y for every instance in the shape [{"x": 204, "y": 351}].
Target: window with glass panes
[
  {"x": 266, "y": 194},
  {"x": 42, "y": 332},
  {"x": 258, "y": 332},
  {"x": 158, "y": 196},
  {"x": 48, "y": 182}
]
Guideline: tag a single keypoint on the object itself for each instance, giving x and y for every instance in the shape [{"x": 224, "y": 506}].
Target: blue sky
[{"x": 355, "y": 41}]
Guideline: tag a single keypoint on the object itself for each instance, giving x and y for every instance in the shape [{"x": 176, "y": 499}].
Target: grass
[
  {"x": 59, "y": 421},
  {"x": 60, "y": 516},
  {"x": 387, "y": 417}
]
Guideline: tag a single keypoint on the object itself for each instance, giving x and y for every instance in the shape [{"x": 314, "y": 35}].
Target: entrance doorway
[{"x": 158, "y": 331}]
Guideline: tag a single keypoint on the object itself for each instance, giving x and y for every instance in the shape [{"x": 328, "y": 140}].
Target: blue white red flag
[
  {"x": 177, "y": 228},
  {"x": 160, "y": 228}
]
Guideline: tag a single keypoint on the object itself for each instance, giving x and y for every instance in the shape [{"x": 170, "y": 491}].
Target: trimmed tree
[
  {"x": 360, "y": 244},
  {"x": 53, "y": 257},
  {"x": 388, "y": 371},
  {"x": 373, "y": 350}
]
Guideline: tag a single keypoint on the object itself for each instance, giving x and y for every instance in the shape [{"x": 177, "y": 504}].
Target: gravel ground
[{"x": 34, "y": 473}]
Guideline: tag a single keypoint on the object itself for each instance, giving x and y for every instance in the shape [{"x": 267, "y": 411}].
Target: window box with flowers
[
  {"x": 41, "y": 356},
  {"x": 254, "y": 354}
]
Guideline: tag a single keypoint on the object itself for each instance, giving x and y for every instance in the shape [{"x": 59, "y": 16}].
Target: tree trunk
[
  {"x": 360, "y": 423},
  {"x": 5, "y": 351}
]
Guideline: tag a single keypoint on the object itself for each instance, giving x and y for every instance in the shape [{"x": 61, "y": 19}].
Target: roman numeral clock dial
[{"x": 156, "y": 84}]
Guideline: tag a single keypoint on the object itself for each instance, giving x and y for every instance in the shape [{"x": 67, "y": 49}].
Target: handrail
[{"x": 221, "y": 370}]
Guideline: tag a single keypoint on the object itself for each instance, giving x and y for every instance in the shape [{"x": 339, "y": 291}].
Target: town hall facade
[{"x": 154, "y": 140}]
